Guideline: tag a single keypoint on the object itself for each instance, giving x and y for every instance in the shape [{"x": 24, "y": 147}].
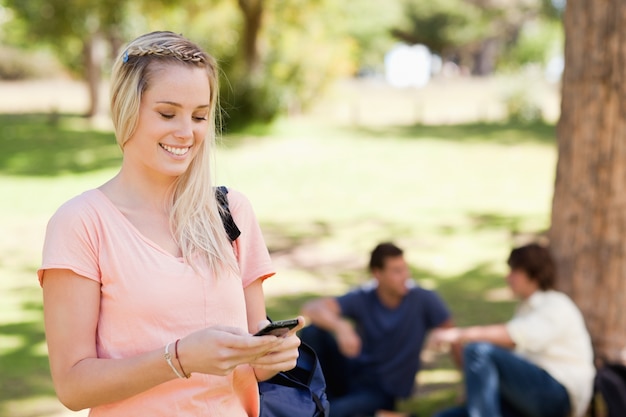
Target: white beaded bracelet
[{"x": 168, "y": 358}]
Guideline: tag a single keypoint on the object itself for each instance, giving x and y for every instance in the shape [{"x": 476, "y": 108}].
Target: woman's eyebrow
[{"x": 172, "y": 103}]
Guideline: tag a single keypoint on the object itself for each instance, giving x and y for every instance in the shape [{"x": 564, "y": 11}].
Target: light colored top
[
  {"x": 150, "y": 298},
  {"x": 549, "y": 331}
]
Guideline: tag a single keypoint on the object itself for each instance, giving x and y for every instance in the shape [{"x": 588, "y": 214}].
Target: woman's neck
[{"x": 137, "y": 192}]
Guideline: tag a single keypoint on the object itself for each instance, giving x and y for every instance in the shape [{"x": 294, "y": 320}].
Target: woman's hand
[
  {"x": 219, "y": 350},
  {"x": 282, "y": 357}
]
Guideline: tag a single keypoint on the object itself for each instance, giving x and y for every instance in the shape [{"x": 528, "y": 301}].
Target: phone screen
[{"x": 278, "y": 328}]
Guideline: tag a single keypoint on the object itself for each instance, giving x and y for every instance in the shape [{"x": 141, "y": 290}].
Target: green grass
[{"x": 455, "y": 197}]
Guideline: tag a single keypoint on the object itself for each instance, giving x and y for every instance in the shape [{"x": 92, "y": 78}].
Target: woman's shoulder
[
  {"x": 238, "y": 203},
  {"x": 78, "y": 207},
  {"x": 236, "y": 197},
  {"x": 557, "y": 300}
]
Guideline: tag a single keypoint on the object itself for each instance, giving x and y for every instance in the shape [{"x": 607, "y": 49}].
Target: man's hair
[
  {"x": 380, "y": 254},
  {"x": 536, "y": 261}
]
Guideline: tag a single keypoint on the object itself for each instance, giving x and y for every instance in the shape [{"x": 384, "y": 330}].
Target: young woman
[
  {"x": 149, "y": 308},
  {"x": 538, "y": 364}
]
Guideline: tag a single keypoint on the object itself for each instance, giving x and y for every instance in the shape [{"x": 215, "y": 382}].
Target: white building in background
[{"x": 408, "y": 66}]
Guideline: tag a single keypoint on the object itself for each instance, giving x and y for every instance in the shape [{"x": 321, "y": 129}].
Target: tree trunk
[
  {"x": 484, "y": 61},
  {"x": 94, "y": 57},
  {"x": 588, "y": 232},
  {"x": 252, "y": 14}
]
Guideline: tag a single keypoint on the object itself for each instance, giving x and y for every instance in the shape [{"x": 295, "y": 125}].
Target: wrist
[
  {"x": 170, "y": 358},
  {"x": 342, "y": 325},
  {"x": 178, "y": 359}
]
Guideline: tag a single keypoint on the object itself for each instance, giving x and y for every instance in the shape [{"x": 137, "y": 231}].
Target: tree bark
[
  {"x": 588, "y": 231},
  {"x": 252, "y": 14},
  {"x": 93, "y": 53}
]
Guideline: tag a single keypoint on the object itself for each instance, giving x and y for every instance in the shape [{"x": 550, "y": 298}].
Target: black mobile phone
[{"x": 278, "y": 328}]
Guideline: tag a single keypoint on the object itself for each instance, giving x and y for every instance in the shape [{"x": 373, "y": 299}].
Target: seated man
[
  {"x": 369, "y": 340},
  {"x": 540, "y": 363}
]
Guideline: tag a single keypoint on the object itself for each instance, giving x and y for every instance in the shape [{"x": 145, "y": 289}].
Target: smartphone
[{"x": 278, "y": 328}]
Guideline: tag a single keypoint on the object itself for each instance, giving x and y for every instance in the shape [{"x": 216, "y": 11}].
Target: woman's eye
[
  {"x": 199, "y": 118},
  {"x": 166, "y": 115}
]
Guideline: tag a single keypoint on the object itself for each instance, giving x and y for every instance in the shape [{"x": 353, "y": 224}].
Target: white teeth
[{"x": 175, "y": 151}]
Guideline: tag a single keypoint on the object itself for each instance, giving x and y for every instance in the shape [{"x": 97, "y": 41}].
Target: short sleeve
[
  {"x": 252, "y": 253},
  {"x": 436, "y": 310},
  {"x": 71, "y": 241},
  {"x": 352, "y": 302}
]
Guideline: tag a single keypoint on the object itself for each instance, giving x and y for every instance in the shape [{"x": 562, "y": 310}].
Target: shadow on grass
[
  {"x": 509, "y": 133},
  {"x": 40, "y": 144},
  {"x": 53, "y": 144}
]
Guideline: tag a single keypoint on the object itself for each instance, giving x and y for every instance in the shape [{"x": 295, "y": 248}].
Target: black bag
[
  {"x": 610, "y": 385},
  {"x": 299, "y": 392}
]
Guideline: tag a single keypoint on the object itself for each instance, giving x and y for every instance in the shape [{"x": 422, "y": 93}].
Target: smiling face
[{"x": 172, "y": 122}]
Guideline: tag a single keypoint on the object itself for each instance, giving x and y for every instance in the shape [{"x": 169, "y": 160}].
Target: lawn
[{"x": 456, "y": 197}]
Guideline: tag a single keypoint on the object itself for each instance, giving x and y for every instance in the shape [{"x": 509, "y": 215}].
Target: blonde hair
[{"x": 194, "y": 213}]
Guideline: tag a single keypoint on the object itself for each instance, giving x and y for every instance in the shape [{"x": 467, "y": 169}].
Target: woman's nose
[{"x": 184, "y": 130}]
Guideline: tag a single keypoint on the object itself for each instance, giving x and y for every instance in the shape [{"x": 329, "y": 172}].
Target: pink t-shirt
[{"x": 150, "y": 298}]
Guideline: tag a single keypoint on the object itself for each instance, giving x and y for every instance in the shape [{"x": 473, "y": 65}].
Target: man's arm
[
  {"x": 494, "y": 333},
  {"x": 456, "y": 349},
  {"x": 325, "y": 313}
]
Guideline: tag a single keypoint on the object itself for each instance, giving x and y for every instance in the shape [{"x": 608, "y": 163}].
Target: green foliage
[
  {"x": 66, "y": 25},
  {"x": 367, "y": 25},
  {"x": 521, "y": 108},
  {"x": 303, "y": 44},
  {"x": 483, "y": 34},
  {"x": 59, "y": 20},
  {"x": 442, "y": 25},
  {"x": 300, "y": 55},
  {"x": 553, "y": 9},
  {"x": 537, "y": 42}
]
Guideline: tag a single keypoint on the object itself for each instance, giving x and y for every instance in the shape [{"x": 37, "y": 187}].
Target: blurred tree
[
  {"x": 538, "y": 41},
  {"x": 442, "y": 26},
  {"x": 276, "y": 56},
  {"x": 474, "y": 33},
  {"x": 368, "y": 25},
  {"x": 252, "y": 11},
  {"x": 76, "y": 29},
  {"x": 588, "y": 231},
  {"x": 301, "y": 46}
]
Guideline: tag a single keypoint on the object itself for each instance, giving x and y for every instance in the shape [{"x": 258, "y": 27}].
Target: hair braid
[{"x": 181, "y": 53}]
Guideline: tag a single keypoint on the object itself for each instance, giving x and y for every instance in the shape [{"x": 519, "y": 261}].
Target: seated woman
[{"x": 540, "y": 363}]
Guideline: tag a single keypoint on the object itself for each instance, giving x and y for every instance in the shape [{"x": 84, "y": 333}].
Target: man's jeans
[
  {"x": 499, "y": 383},
  {"x": 351, "y": 391}
]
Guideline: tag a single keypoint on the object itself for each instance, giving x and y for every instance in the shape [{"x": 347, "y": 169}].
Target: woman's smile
[{"x": 178, "y": 151}]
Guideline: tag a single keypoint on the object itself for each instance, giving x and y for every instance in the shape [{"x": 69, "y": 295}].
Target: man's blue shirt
[{"x": 392, "y": 339}]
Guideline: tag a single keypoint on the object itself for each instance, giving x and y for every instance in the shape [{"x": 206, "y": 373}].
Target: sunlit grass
[{"x": 455, "y": 197}]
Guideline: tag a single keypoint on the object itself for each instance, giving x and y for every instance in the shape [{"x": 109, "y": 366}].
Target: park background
[{"x": 334, "y": 159}]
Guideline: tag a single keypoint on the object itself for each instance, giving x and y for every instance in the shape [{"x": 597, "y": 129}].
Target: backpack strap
[{"x": 232, "y": 230}]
